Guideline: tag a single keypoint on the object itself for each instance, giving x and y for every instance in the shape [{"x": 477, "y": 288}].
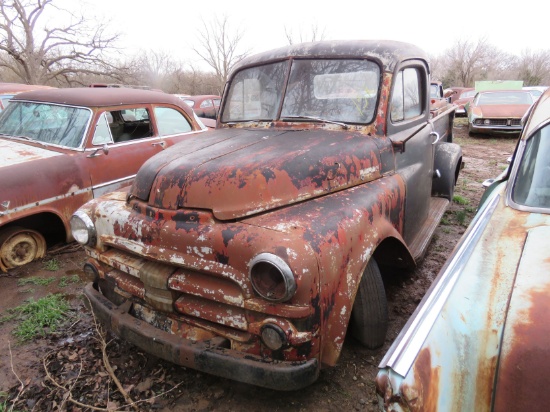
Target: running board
[{"x": 419, "y": 244}]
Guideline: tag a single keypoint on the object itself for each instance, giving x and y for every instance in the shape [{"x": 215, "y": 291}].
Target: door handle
[
  {"x": 162, "y": 144},
  {"x": 437, "y": 137}
]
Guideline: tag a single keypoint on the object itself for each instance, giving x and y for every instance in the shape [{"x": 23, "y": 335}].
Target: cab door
[{"x": 412, "y": 136}]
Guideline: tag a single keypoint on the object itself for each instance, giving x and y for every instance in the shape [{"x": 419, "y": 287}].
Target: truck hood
[
  {"x": 240, "y": 172},
  {"x": 14, "y": 152}
]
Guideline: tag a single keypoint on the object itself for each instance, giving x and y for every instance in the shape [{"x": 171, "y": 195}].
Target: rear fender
[{"x": 447, "y": 164}]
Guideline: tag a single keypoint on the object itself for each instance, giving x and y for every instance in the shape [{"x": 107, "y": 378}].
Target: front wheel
[
  {"x": 19, "y": 246},
  {"x": 369, "y": 317}
]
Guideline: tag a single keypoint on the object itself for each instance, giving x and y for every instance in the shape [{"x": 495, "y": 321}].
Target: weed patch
[
  {"x": 35, "y": 280},
  {"x": 36, "y": 317}
]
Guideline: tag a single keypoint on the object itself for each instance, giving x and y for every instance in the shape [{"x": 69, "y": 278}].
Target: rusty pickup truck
[{"x": 248, "y": 253}]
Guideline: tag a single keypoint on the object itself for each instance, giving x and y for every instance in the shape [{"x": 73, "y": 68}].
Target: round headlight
[
  {"x": 272, "y": 278},
  {"x": 83, "y": 229},
  {"x": 273, "y": 337},
  {"x": 487, "y": 121}
]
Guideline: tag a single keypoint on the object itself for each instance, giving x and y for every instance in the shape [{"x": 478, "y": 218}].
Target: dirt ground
[{"x": 72, "y": 356}]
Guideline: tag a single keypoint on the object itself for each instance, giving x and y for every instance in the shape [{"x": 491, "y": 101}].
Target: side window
[
  {"x": 207, "y": 103},
  {"x": 129, "y": 124},
  {"x": 218, "y": 101},
  {"x": 406, "y": 98},
  {"x": 102, "y": 133},
  {"x": 170, "y": 121}
]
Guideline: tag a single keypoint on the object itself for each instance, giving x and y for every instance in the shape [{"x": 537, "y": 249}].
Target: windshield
[
  {"x": 336, "y": 90},
  {"x": 469, "y": 93},
  {"x": 47, "y": 123},
  {"x": 532, "y": 185},
  {"x": 505, "y": 98}
]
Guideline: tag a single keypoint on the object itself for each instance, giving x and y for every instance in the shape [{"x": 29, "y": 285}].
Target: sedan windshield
[
  {"x": 46, "y": 123},
  {"x": 532, "y": 185},
  {"x": 331, "y": 90}
]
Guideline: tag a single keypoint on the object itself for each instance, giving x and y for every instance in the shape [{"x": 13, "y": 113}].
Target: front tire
[
  {"x": 19, "y": 246},
  {"x": 369, "y": 317}
]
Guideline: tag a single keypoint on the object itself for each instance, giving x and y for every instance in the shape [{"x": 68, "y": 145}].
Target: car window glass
[
  {"x": 532, "y": 185},
  {"x": 189, "y": 103},
  {"x": 102, "y": 133},
  {"x": 47, "y": 123},
  {"x": 129, "y": 124},
  {"x": 170, "y": 121},
  {"x": 217, "y": 102},
  {"x": 406, "y": 97},
  {"x": 207, "y": 103}
]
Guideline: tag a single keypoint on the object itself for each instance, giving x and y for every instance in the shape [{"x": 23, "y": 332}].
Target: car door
[
  {"x": 412, "y": 136},
  {"x": 120, "y": 142}
]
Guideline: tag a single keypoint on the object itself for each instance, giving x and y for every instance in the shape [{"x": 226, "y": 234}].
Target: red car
[
  {"x": 63, "y": 147},
  {"x": 204, "y": 105},
  {"x": 498, "y": 111},
  {"x": 462, "y": 97}
]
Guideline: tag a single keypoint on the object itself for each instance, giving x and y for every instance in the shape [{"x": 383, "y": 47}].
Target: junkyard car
[
  {"x": 536, "y": 91},
  {"x": 247, "y": 253},
  {"x": 479, "y": 338},
  {"x": 62, "y": 147},
  {"x": 204, "y": 105},
  {"x": 463, "y": 96},
  {"x": 440, "y": 99},
  {"x": 9, "y": 90},
  {"x": 498, "y": 111}
]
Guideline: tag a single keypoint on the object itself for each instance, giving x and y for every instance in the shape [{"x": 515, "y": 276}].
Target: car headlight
[
  {"x": 83, "y": 228},
  {"x": 272, "y": 278}
]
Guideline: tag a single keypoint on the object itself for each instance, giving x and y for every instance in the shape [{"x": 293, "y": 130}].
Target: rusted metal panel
[{"x": 463, "y": 324}]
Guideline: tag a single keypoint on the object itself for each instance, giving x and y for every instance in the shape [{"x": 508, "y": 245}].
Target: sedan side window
[
  {"x": 102, "y": 133},
  {"x": 170, "y": 121},
  {"x": 406, "y": 97},
  {"x": 207, "y": 103}
]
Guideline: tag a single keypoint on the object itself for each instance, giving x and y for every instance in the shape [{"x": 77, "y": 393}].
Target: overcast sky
[{"x": 172, "y": 25}]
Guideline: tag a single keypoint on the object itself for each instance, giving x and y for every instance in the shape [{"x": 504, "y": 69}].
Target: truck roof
[{"x": 389, "y": 52}]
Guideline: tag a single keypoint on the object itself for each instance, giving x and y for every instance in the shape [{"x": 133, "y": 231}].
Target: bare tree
[
  {"x": 534, "y": 67},
  {"x": 219, "y": 47},
  {"x": 467, "y": 62},
  {"x": 39, "y": 42},
  {"x": 316, "y": 34}
]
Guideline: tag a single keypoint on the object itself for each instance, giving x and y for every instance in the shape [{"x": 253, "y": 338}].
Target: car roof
[
  {"x": 539, "y": 115},
  {"x": 203, "y": 96},
  {"x": 100, "y": 96},
  {"x": 388, "y": 51},
  {"x": 6, "y": 88}
]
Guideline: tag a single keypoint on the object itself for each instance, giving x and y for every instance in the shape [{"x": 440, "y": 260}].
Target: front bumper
[{"x": 204, "y": 356}]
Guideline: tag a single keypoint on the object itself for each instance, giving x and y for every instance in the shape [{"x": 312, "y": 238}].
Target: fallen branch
[{"x": 22, "y": 386}]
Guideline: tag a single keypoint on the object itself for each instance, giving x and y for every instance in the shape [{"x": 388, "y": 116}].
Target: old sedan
[
  {"x": 498, "y": 111},
  {"x": 204, "y": 105},
  {"x": 62, "y": 147},
  {"x": 463, "y": 97},
  {"x": 479, "y": 339}
]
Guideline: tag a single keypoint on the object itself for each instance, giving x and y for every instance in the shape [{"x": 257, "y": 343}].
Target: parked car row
[{"x": 248, "y": 249}]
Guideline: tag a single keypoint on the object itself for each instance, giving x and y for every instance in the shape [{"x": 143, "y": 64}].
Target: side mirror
[{"x": 104, "y": 149}]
